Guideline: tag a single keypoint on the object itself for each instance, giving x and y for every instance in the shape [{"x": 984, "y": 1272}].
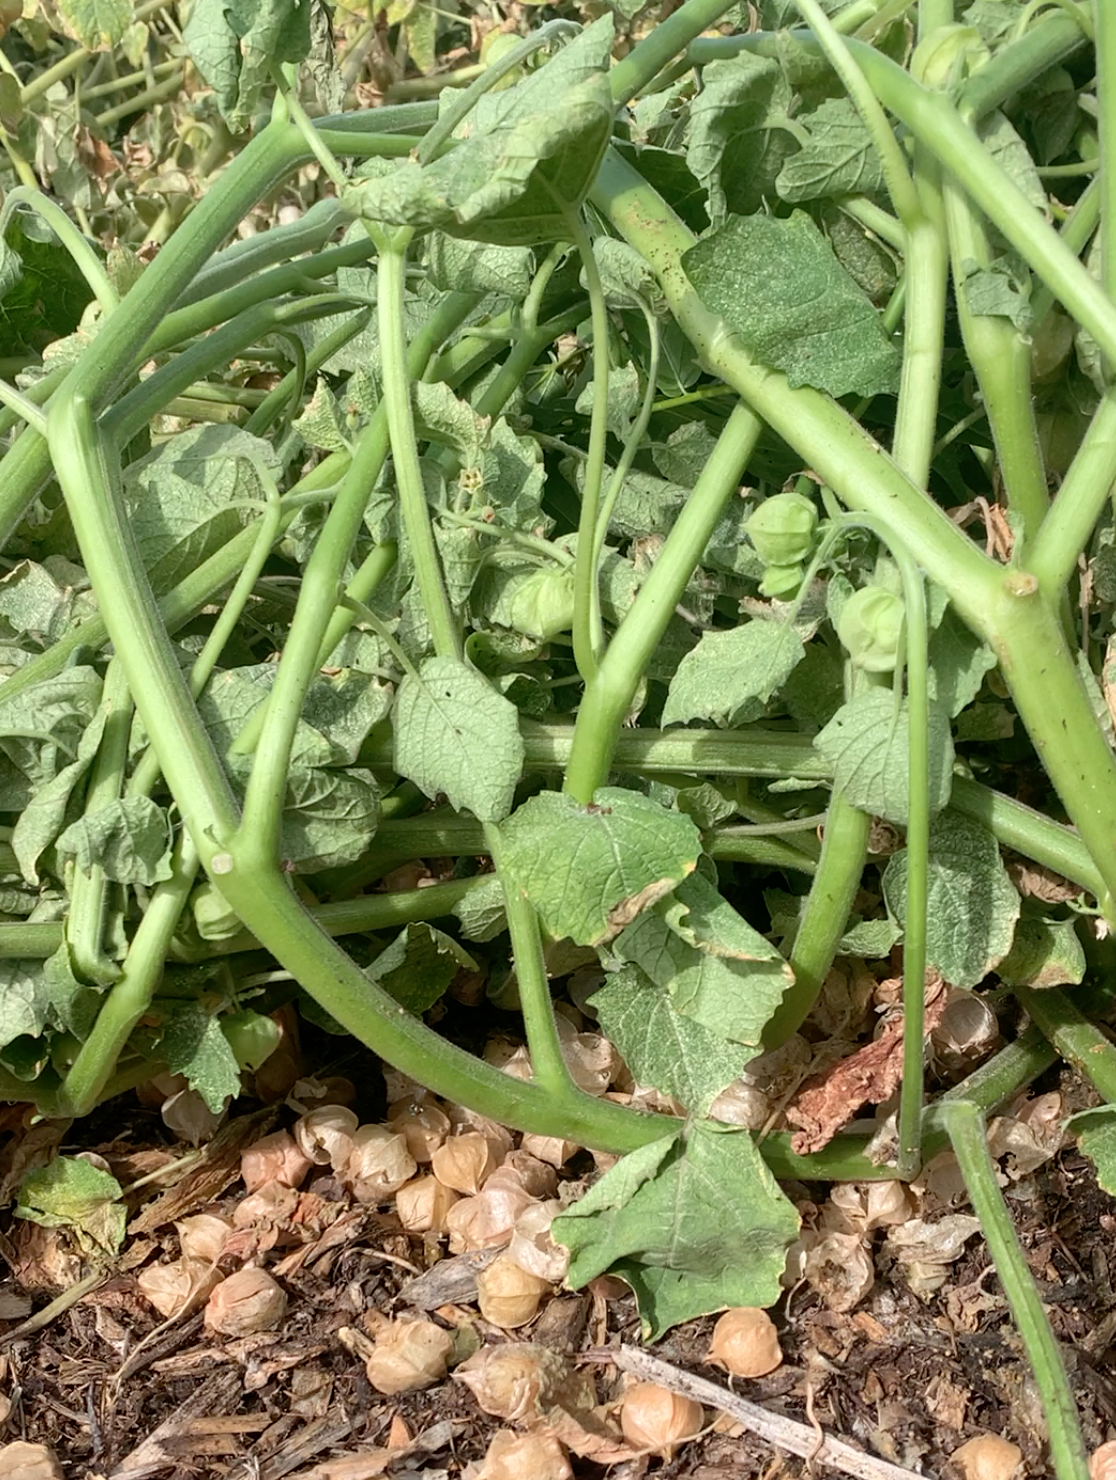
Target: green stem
[
  {"x": 1069, "y": 524},
  {"x": 661, "y": 45},
  {"x": 67, "y": 233},
  {"x": 965, "y": 1126},
  {"x": 1077, "y": 1039},
  {"x": 608, "y": 696},
  {"x": 1077, "y": 232}
]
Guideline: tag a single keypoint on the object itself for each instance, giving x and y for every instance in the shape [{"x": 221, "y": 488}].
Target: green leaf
[
  {"x": 1044, "y": 953},
  {"x": 590, "y": 870},
  {"x": 440, "y": 417},
  {"x": 74, "y": 1194},
  {"x": 726, "y": 976},
  {"x": 958, "y": 662},
  {"x": 26, "y": 998},
  {"x": 418, "y": 966},
  {"x": 130, "y": 839},
  {"x": 321, "y": 422},
  {"x": 45, "y": 600},
  {"x": 41, "y": 729},
  {"x": 736, "y": 143},
  {"x": 98, "y": 25},
  {"x": 693, "y": 1223},
  {"x": 997, "y": 290},
  {"x": 868, "y": 745},
  {"x": 479, "y": 267},
  {"x": 838, "y": 159},
  {"x": 525, "y": 147},
  {"x": 194, "y": 1045},
  {"x": 660, "y": 1046},
  {"x": 972, "y": 905},
  {"x": 730, "y": 676},
  {"x": 344, "y": 708},
  {"x": 1096, "y": 1136},
  {"x": 233, "y": 44},
  {"x": 779, "y": 288},
  {"x": 191, "y": 495},
  {"x": 870, "y": 938},
  {"x": 455, "y": 734},
  {"x": 329, "y": 818},
  {"x": 231, "y": 698},
  {"x": 43, "y": 294},
  {"x": 43, "y": 818},
  {"x": 482, "y": 912}
]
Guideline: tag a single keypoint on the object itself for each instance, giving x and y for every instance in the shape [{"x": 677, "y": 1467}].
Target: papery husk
[
  {"x": 532, "y": 1385},
  {"x": 967, "y": 1032},
  {"x": 325, "y": 1135},
  {"x": 988, "y": 1457},
  {"x": 487, "y": 1220},
  {"x": 779, "y": 1071},
  {"x": 422, "y": 1205},
  {"x": 745, "y": 1343},
  {"x": 513, "y": 1456},
  {"x": 423, "y": 1124},
  {"x": 555, "y": 1151},
  {"x": 22, "y": 1460},
  {"x": 499, "y": 1138},
  {"x": 741, "y": 1103},
  {"x": 245, "y": 1303},
  {"x": 511, "y": 1058},
  {"x": 532, "y": 1246},
  {"x": 203, "y": 1236},
  {"x": 1102, "y": 1462},
  {"x": 926, "y": 1250},
  {"x": 589, "y": 1057},
  {"x": 274, "y": 1158},
  {"x": 537, "y": 1177},
  {"x": 313, "y": 1093},
  {"x": 409, "y": 1355},
  {"x": 652, "y": 1417},
  {"x": 189, "y": 1117},
  {"x": 1031, "y": 1135},
  {"x": 274, "y": 1202},
  {"x": 464, "y": 1162},
  {"x": 840, "y": 1269},
  {"x": 507, "y": 1295},
  {"x": 862, "y": 1207},
  {"x": 179, "y": 1287},
  {"x": 378, "y": 1164}
]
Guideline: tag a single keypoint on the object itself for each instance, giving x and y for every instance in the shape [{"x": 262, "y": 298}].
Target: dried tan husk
[
  {"x": 325, "y": 1135},
  {"x": 422, "y": 1205},
  {"x": 532, "y": 1246},
  {"x": 507, "y": 1295},
  {"x": 409, "y": 1355},
  {"x": 245, "y": 1303},
  {"x": 22, "y": 1460},
  {"x": 464, "y": 1162},
  {"x": 653, "y": 1417},
  {"x": 745, "y": 1343},
  {"x": 378, "y": 1165},
  {"x": 203, "y": 1236},
  {"x": 513, "y": 1456},
  {"x": 423, "y": 1124},
  {"x": 179, "y": 1287},
  {"x": 274, "y": 1158},
  {"x": 988, "y": 1457},
  {"x": 839, "y": 1267}
]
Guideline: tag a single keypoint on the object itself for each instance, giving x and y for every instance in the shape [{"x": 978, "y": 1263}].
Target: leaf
[
  {"x": 972, "y": 905},
  {"x": 779, "y": 288},
  {"x": 660, "y": 1046},
  {"x": 735, "y": 145},
  {"x": 693, "y": 1223},
  {"x": 729, "y": 676},
  {"x": 344, "y": 708},
  {"x": 233, "y": 44},
  {"x": 130, "y": 839},
  {"x": 329, "y": 818},
  {"x": 26, "y": 999},
  {"x": 525, "y": 148},
  {"x": 98, "y": 25},
  {"x": 958, "y": 662},
  {"x": 45, "y": 600},
  {"x": 1044, "y": 953},
  {"x": 730, "y": 994},
  {"x": 74, "y": 1194},
  {"x": 1095, "y": 1130},
  {"x": 455, "y": 734},
  {"x": 194, "y": 1045},
  {"x": 482, "y": 912},
  {"x": 838, "y": 159},
  {"x": 997, "y": 290},
  {"x": 43, "y": 817},
  {"x": 590, "y": 870},
  {"x": 479, "y": 267},
  {"x": 41, "y": 730},
  {"x": 418, "y": 966},
  {"x": 42, "y": 291},
  {"x": 190, "y": 495},
  {"x": 868, "y": 746}
]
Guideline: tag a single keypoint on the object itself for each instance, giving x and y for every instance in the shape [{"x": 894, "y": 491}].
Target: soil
[{"x": 115, "y": 1392}]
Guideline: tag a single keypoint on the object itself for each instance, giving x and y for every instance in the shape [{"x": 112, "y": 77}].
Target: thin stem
[
  {"x": 608, "y": 696},
  {"x": 67, "y": 233},
  {"x": 661, "y": 45},
  {"x": 1069, "y": 524},
  {"x": 965, "y": 1125}
]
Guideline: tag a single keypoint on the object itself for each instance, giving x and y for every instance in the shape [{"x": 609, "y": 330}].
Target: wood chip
[
  {"x": 450, "y": 1282},
  {"x": 162, "y": 1449},
  {"x": 207, "y": 1178}
]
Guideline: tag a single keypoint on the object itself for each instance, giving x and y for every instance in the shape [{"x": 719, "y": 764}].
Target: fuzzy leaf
[
  {"x": 590, "y": 870},
  {"x": 72, "y": 1193},
  {"x": 1044, "y": 953},
  {"x": 973, "y": 906},
  {"x": 867, "y": 745},
  {"x": 735, "y": 148},
  {"x": 779, "y": 288},
  {"x": 233, "y": 44},
  {"x": 455, "y": 734},
  {"x": 662, "y": 1047},
  {"x": 130, "y": 839},
  {"x": 694, "y": 1222},
  {"x": 418, "y": 966},
  {"x": 194, "y": 1045},
  {"x": 839, "y": 159},
  {"x": 730, "y": 672}
]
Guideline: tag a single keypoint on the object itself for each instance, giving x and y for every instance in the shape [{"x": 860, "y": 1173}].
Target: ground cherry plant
[{"x": 679, "y": 489}]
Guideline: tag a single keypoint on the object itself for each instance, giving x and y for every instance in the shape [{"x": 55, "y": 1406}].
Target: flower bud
[
  {"x": 653, "y": 1417},
  {"x": 782, "y": 528},
  {"x": 746, "y": 1343},
  {"x": 870, "y": 628},
  {"x": 507, "y": 1295},
  {"x": 247, "y": 1302}
]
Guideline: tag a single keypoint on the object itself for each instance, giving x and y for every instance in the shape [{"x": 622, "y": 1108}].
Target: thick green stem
[
  {"x": 1084, "y": 495},
  {"x": 1105, "y": 27},
  {"x": 608, "y": 697},
  {"x": 1077, "y": 1039},
  {"x": 965, "y": 1126}
]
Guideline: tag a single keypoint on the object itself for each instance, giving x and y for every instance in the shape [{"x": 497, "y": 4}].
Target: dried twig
[{"x": 784, "y": 1433}]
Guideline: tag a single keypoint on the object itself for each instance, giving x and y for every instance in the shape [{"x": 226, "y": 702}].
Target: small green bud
[
  {"x": 542, "y": 604},
  {"x": 214, "y": 917},
  {"x": 782, "y": 529},
  {"x": 251, "y": 1036},
  {"x": 871, "y": 628},
  {"x": 781, "y": 582}
]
